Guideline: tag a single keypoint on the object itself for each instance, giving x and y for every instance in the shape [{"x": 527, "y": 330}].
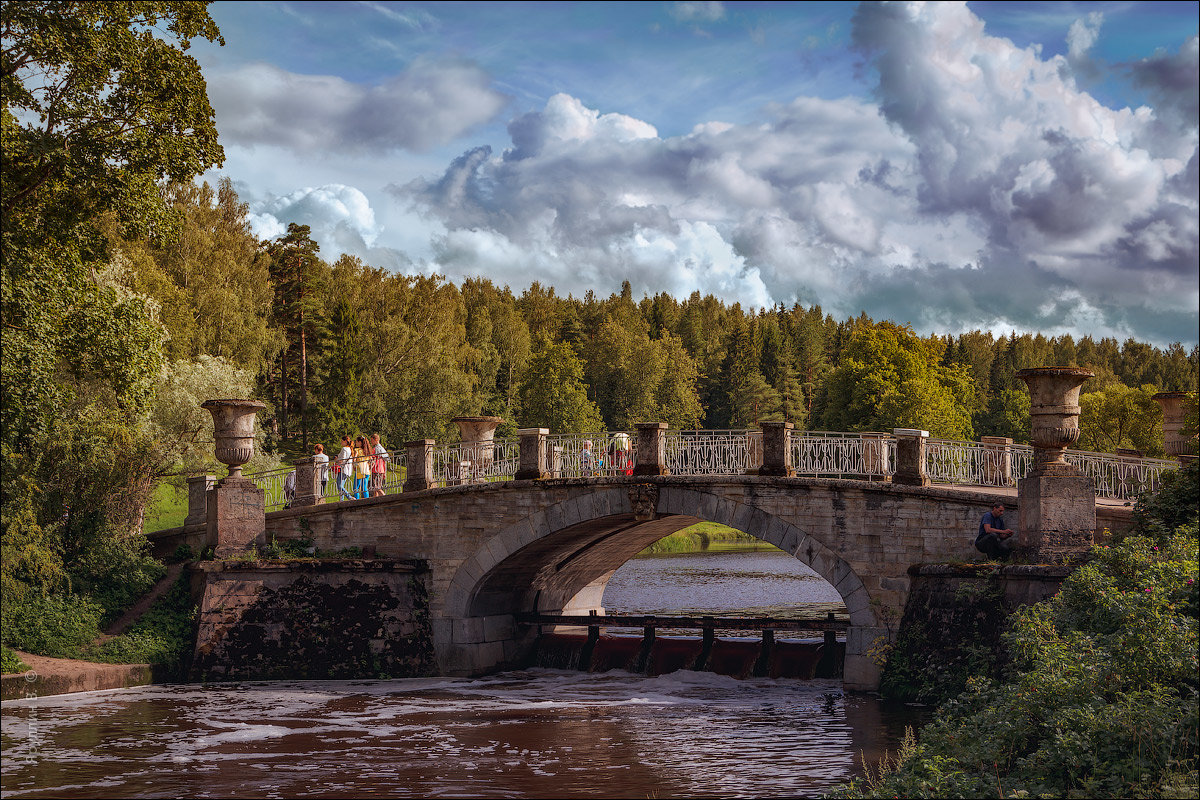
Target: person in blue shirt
[{"x": 993, "y": 539}]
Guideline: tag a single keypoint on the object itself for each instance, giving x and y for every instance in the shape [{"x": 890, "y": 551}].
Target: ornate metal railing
[
  {"x": 458, "y": 464},
  {"x": 591, "y": 455},
  {"x": 736, "y": 452},
  {"x": 977, "y": 464},
  {"x": 843, "y": 455},
  {"x": 1120, "y": 477},
  {"x": 712, "y": 452}
]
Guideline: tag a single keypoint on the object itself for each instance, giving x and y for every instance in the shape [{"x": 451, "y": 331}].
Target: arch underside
[
  {"x": 546, "y": 574},
  {"x": 547, "y": 567}
]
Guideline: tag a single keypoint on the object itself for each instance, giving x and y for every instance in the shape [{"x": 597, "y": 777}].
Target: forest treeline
[{"x": 345, "y": 347}]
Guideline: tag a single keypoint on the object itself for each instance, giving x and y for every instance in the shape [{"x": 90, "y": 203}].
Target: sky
[{"x": 954, "y": 166}]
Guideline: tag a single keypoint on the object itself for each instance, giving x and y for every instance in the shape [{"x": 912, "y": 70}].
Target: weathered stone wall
[
  {"x": 316, "y": 620},
  {"x": 953, "y": 622}
]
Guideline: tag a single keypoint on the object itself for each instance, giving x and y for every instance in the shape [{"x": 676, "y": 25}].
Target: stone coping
[
  {"x": 50, "y": 676},
  {"x": 1048, "y": 572},
  {"x": 940, "y": 492},
  {"x": 312, "y": 565}
]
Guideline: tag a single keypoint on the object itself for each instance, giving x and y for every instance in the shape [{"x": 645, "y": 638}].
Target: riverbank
[{"x": 50, "y": 676}]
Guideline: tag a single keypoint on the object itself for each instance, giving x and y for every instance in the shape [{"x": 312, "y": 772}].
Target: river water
[{"x": 535, "y": 733}]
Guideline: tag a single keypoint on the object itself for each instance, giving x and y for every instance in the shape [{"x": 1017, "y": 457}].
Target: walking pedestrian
[
  {"x": 378, "y": 466},
  {"x": 345, "y": 469}
]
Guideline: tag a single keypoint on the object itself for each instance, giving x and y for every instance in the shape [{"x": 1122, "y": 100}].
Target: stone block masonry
[{"x": 327, "y": 619}]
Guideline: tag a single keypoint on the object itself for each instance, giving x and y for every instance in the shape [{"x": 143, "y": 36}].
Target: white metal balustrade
[{"x": 736, "y": 452}]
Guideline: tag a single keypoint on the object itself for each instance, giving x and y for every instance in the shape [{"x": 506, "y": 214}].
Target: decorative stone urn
[
  {"x": 233, "y": 425},
  {"x": 1056, "y": 503},
  {"x": 1054, "y": 415},
  {"x": 477, "y": 434},
  {"x": 1173, "y": 413}
]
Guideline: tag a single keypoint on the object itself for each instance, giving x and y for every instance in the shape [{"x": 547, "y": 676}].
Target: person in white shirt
[
  {"x": 345, "y": 465},
  {"x": 321, "y": 461}
]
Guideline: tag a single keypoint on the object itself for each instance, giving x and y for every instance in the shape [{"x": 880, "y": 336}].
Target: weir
[{"x": 738, "y": 658}]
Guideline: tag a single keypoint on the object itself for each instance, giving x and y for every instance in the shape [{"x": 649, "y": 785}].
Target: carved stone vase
[
  {"x": 477, "y": 434},
  {"x": 1054, "y": 415},
  {"x": 233, "y": 426}
]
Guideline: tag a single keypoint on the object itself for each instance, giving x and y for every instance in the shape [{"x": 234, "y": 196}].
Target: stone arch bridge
[
  {"x": 546, "y": 544},
  {"x": 551, "y": 546}
]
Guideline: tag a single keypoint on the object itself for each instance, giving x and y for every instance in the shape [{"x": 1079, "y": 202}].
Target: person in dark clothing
[{"x": 993, "y": 539}]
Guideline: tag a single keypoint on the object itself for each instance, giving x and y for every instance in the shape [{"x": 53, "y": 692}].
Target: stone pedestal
[
  {"x": 910, "y": 457},
  {"x": 875, "y": 454},
  {"x": 236, "y": 519},
  {"x": 308, "y": 483},
  {"x": 777, "y": 449},
  {"x": 651, "y": 449},
  {"x": 1056, "y": 514},
  {"x": 533, "y": 454},
  {"x": 198, "y": 487},
  {"x": 420, "y": 465}
]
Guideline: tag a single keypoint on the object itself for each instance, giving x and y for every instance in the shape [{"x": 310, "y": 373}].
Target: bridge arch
[{"x": 558, "y": 560}]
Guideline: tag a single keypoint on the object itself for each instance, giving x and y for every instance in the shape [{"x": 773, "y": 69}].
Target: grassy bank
[{"x": 705, "y": 536}]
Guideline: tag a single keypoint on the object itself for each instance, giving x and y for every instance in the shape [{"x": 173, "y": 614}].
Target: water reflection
[{"x": 539, "y": 733}]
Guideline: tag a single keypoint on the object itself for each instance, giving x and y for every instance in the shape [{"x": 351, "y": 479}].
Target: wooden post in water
[
  {"x": 763, "y": 665},
  {"x": 643, "y": 659},
  {"x": 706, "y": 644},
  {"x": 585, "y": 657}
]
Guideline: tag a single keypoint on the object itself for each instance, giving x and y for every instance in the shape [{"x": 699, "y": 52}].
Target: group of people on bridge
[{"x": 360, "y": 469}]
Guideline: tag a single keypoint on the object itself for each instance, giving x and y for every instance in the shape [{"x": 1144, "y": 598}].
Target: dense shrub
[
  {"x": 162, "y": 636},
  {"x": 1101, "y": 697},
  {"x": 58, "y": 626},
  {"x": 10, "y": 662}
]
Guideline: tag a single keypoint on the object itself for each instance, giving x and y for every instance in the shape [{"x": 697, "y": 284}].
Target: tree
[
  {"x": 297, "y": 276},
  {"x": 553, "y": 395},
  {"x": 890, "y": 378},
  {"x": 1121, "y": 416},
  {"x": 100, "y": 103},
  {"x": 101, "y": 107}
]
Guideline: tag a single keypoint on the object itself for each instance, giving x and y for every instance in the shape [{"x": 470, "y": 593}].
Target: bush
[
  {"x": 115, "y": 572},
  {"x": 10, "y": 662},
  {"x": 1102, "y": 695},
  {"x": 51, "y": 626}
]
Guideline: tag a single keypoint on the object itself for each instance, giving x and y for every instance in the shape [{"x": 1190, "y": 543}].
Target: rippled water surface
[{"x": 537, "y": 733}]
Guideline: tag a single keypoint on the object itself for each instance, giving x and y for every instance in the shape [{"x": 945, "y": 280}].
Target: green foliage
[
  {"x": 1101, "y": 698},
  {"x": 1176, "y": 503},
  {"x": 59, "y": 626},
  {"x": 553, "y": 395},
  {"x": 890, "y": 378},
  {"x": 10, "y": 662},
  {"x": 115, "y": 572},
  {"x": 163, "y": 635},
  {"x": 1121, "y": 416}
]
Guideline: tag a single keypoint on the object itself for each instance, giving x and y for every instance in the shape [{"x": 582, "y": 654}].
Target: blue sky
[{"x": 1026, "y": 166}]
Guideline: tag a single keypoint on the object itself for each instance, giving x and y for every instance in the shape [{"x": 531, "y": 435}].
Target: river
[{"x": 534, "y": 733}]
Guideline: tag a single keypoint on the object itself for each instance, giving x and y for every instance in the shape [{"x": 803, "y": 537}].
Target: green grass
[
  {"x": 167, "y": 509},
  {"x": 705, "y": 536}
]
